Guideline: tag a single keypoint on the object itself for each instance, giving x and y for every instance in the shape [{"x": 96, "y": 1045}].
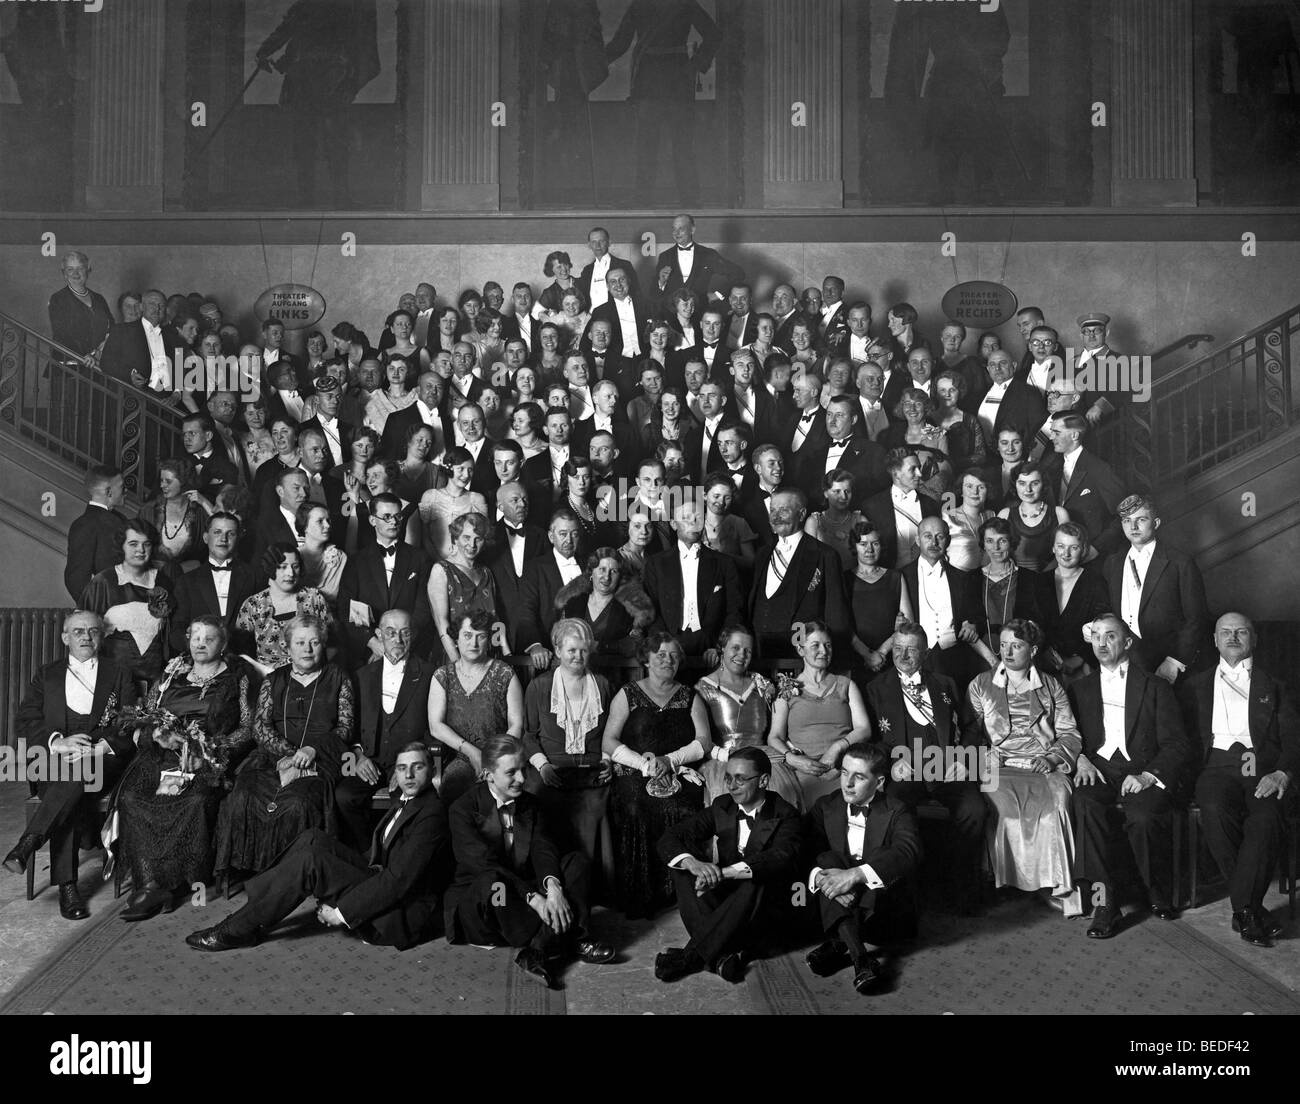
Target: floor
[{"x": 32, "y": 932}]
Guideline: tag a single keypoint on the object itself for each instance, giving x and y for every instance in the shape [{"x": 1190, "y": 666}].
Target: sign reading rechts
[
  {"x": 298, "y": 306},
  {"x": 980, "y": 303}
]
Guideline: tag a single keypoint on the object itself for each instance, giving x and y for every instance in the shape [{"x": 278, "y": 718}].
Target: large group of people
[{"x": 859, "y": 573}]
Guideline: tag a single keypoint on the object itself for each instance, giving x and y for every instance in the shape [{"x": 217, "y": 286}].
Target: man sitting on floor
[
  {"x": 731, "y": 905},
  {"x": 391, "y": 897}
]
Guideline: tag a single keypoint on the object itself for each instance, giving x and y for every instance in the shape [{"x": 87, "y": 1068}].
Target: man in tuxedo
[
  {"x": 542, "y": 580},
  {"x": 1086, "y": 486},
  {"x": 1245, "y": 736},
  {"x": 213, "y": 471},
  {"x": 868, "y": 850},
  {"x": 695, "y": 590},
  {"x": 73, "y": 710},
  {"x": 607, "y": 416},
  {"x": 338, "y": 434},
  {"x": 472, "y": 428},
  {"x": 688, "y": 264},
  {"x": 627, "y": 317},
  {"x": 916, "y": 715},
  {"x": 390, "y": 897},
  {"x": 515, "y": 543},
  {"x": 919, "y": 374},
  {"x": 323, "y": 487},
  {"x": 274, "y": 354},
  {"x": 742, "y": 322},
  {"x": 897, "y": 512},
  {"x": 786, "y": 312},
  {"x": 733, "y": 451},
  {"x": 523, "y": 325},
  {"x": 846, "y": 450},
  {"x": 711, "y": 348},
  {"x": 393, "y": 711},
  {"x": 833, "y": 323},
  {"x": 279, "y": 525},
  {"x": 141, "y": 352},
  {"x": 713, "y": 406},
  {"x": 217, "y": 587},
  {"x": 426, "y": 300},
  {"x": 509, "y": 466},
  {"x": 754, "y": 502},
  {"x": 750, "y": 402},
  {"x": 1009, "y": 401},
  {"x": 806, "y": 425},
  {"x": 605, "y": 363},
  {"x": 1134, "y": 753},
  {"x": 428, "y": 409},
  {"x": 464, "y": 385},
  {"x": 387, "y": 575},
  {"x": 1158, "y": 591},
  {"x": 592, "y": 279},
  {"x": 873, "y": 418},
  {"x": 734, "y": 906},
  {"x": 223, "y": 409},
  {"x": 95, "y": 538},
  {"x": 796, "y": 578},
  {"x": 512, "y": 884}
]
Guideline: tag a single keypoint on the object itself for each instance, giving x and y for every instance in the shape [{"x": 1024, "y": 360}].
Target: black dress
[
  {"x": 169, "y": 838},
  {"x": 643, "y": 885},
  {"x": 262, "y": 817},
  {"x": 875, "y": 606}
]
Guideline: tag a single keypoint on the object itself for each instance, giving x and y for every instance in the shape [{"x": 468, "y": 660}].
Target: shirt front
[
  {"x": 835, "y": 453},
  {"x": 690, "y": 561},
  {"x": 599, "y": 288},
  {"x": 782, "y": 556},
  {"x": 934, "y": 604},
  {"x": 1230, "y": 723},
  {"x": 988, "y": 408},
  {"x": 856, "y": 841},
  {"x": 907, "y": 521},
  {"x": 79, "y": 685},
  {"x": 221, "y": 582},
  {"x": 916, "y": 698},
  {"x": 160, "y": 368},
  {"x": 391, "y": 682},
  {"x": 686, "y": 261},
  {"x": 627, "y": 325},
  {"x": 802, "y": 429},
  {"x": 1136, "y": 565},
  {"x": 1114, "y": 685},
  {"x": 330, "y": 427},
  {"x": 569, "y": 569}
]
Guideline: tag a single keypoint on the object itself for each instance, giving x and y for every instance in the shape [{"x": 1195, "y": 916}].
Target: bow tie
[
  {"x": 685, "y": 248},
  {"x": 508, "y": 807},
  {"x": 389, "y": 552},
  {"x": 841, "y": 443},
  {"x": 858, "y": 810},
  {"x": 404, "y": 799},
  {"x": 742, "y": 815},
  {"x": 219, "y": 567},
  {"x": 808, "y": 417},
  {"x": 512, "y": 531},
  {"x": 710, "y": 344}
]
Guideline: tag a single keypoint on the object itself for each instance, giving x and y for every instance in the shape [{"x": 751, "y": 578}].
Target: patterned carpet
[{"x": 1022, "y": 958}]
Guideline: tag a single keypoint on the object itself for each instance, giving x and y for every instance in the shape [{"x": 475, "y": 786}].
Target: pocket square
[
  {"x": 717, "y": 588},
  {"x": 1085, "y": 491},
  {"x": 410, "y": 576}
]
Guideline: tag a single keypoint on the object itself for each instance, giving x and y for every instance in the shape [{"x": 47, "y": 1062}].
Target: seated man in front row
[
  {"x": 868, "y": 847},
  {"x": 732, "y": 906},
  {"x": 391, "y": 897},
  {"x": 512, "y": 885}
]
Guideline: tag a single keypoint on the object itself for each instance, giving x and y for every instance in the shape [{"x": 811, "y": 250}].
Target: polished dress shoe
[
  {"x": 594, "y": 952},
  {"x": 1105, "y": 922},
  {"x": 731, "y": 968},
  {"x": 175, "y": 898},
  {"x": 867, "y": 975},
  {"x": 218, "y": 938},
  {"x": 1271, "y": 924},
  {"x": 17, "y": 859},
  {"x": 675, "y": 964},
  {"x": 1247, "y": 922},
  {"x": 532, "y": 961},
  {"x": 71, "y": 906},
  {"x": 828, "y": 959},
  {"x": 147, "y": 904},
  {"x": 1164, "y": 912}
]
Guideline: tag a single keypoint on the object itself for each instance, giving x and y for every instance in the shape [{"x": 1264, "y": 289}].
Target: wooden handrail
[{"x": 1187, "y": 341}]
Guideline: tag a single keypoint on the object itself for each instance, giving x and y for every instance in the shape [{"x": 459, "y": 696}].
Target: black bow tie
[
  {"x": 858, "y": 810},
  {"x": 686, "y": 248},
  {"x": 390, "y": 552},
  {"x": 512, "y": 531},
  {"x": 809, "y": 417},
  {"x": 745, "y": 816},
  {"x": 841, "y": 443},
  {"x": 219, "y": 567},
  {"x": 710, "y": 344}
]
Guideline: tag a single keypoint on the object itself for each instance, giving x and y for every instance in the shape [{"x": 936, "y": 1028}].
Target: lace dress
[
  {"x": 642, "y": 884},
  {"x": 475, "y": 717}
]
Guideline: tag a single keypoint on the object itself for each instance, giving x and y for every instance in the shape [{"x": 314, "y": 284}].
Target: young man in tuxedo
[
  {"x": 279, "y": 523},
  {"x": 338, "y": 434},
  {"x": 1134, "y": 753},
  {"x": 750, "y": 402},
  {"x": 471, "y": 426},
  {"x": 592, "y": 279},
  {"x": 1085, "y": 485},
  {"x": 509, "y": 466},
  {"x": 844, "y": 449},
  {"x": 688, "y": 264},
  {"x": 512, "y": 884},
  {"x": 514, "y": 544},
  {"x": 913, "y": 711},
  {"x": 868, "y": 849},
  {"x": 543, "y": 578},
  {"x": 695, "y": 590},
  {"x": 626, "y": 315},
  {"x": 786, "y": 312},
  {"x": 1245, "y": 739},
  {"x": 897, "y": 512},
  {"x": 735, "y": 906},
  {"x": 1158, "y": 591},
  {"x": 387, "y": 575},
  {"x": 608, "y": 416},
  {"x": 141, "y": 352},
  {"x": 873, "y": 418},
  {"x": 73, "y": 709},
  {"x": 213, "y": 471},
  {"x": 754, "y": 502},
  {"x": 217, "y": 587},
  {"x": 392, "y": 707},
  {"x": 742, "y": 322},
  {"x": 389, "y": 896},
  {"x": 95, "y": 538}
]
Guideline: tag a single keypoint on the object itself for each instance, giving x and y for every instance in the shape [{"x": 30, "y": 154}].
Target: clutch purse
[
  {"x": 172, "y": 783},
  {"x": 663, "y": 786},
  {"x": 289, "y": 773}
]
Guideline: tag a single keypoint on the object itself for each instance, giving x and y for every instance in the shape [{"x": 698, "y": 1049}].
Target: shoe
[
  {"x": 1247, "y": 922},
  {"x": 731, "y": 968},
  {"x": 828, "y": 959},
  {"x": 175, "y": 898},
  {"x": 146, "y": 904},
  {"x": 594, "y": 952},
  {"x": 531, "y": 961},
  {"x": 868, "y": 975},
  {"x": 1105, "y": 922},
  {"x": 71, "y": 906},
  {"x": 1164, "y": 912},
  {"x": 1270, "y": 923},
  {"x": 17, "y": 859},
  {"x": 675, "y": 964},
  {"x": 218, "y": 938}
]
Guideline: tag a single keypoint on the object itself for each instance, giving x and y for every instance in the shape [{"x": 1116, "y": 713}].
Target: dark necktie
[
  {"x": 841, "y": 443},
  {"x": 513, "y": 532},
  {"x": 390, "y": 552},
  {"x": 219, "y": 567},
  {"x": 742, "y": 815},
  {"x": 858, "y": 810}
]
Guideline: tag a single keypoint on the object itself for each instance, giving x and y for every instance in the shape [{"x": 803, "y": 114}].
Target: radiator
[{"x": 29, "y": 638}]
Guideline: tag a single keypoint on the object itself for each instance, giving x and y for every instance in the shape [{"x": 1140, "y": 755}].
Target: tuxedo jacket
[
  {"x": 366, "y": 581},
  {"x": 1091, "y": 498},
  {"x": 1022, "y": 407},
  {"x": 880, "y": 509},
  {"x": 770, "y": 417},
  {"x": 271, "y": 529},
  {"x": 215, "y": 472},
  {"x": 748, "y": 336},
  {"x": 383, "y": 736},
  {"x": 195, "y": 595},
  {"x": 891, "y": 843},
  {"x": 625, "y": 440},
  {"x": 835, "y": 331},
  {"x": 44, "y": 711},
  {"x": 512, "y": 328},
  {"x": 1270, "y": 714},
  {"x": 963, "y": 593},
  {"x": 772, "y": 851},
  {"x": 751, "y": 504},
  {"x": 709, "y": 270},
  {"x": 94, "y": 543},
  {"x": 816, "y": 438},
  {"x": 393, "y": 440},
  {"x": 609, "y": 313},
  {"x": 510, "y": 584},
  {"x": 478, "y": 843},
  {"x": 1173, "y": 616},
  {"x": 400, "y": 898},
  {"x": 717, "y": 589},
  {"x": 863, "y": 457},
  {"x": 268, "y": 502},
  {"x": 584, "y": 277},
  {"x": 126, "y": 350},
  {"x": 537, "y": 591},
  {"x": 824, "y": 602},
  {"x": 1153, "y": 725},
  {"x": 346, "y": 433},
  {"x": 889, "y": 715},
  {"x": 611, "y": 365},
  {"x": 455, "y": 398}
]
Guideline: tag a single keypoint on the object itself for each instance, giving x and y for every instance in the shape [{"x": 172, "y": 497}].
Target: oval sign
[
  {"x": 980, "y": 303},
  {"x": 298, "y": 306}
]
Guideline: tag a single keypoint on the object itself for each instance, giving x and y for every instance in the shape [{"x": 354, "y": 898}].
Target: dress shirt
[
  {"x": 270, "y": 356},
  {"x": 559, "y": 457},
  {"x": 710, "y": 431},
  {"x": 1068, "y": 462},
  {"x": 1230, "y": 723},
  {"x": 709, "y": 354},
  {"x": 737, "y": 474},
  {"x": 801, "y": 429},
  {"x": 292, "y": 522},
  {"x": 828, "y": 312},
  {"x": 859, "y": 347},
  {"x": 474, "y": 448},
  {"x": 221, "y": 581},
  {"x": 934, "y": 602},
  {"x": 389, "y": 562},
  {"x": 580, "y": 403},
  {"x": 1136, "y": 565},
  {"x": 1040, "y": 375},
  {"x": 392, "y": 821},
  {"x": 627, "y": 324},
  {"x": 160, "y": 368},
  {"x": 569, "y": 569},
  {"x": 737, "y": 870},
  {"x": 599, "y": 288},
  {"x": 988, "y": 408},
  {"x": 907, "y": 520},
  {"x": 79, "y": 685},
  {"x": 292, "y": 402},
  {"x": 914, "y": 682},
  {"x": 690, "y": 558},
  {"x": 1114, "y": 684},
  {"x": 330, "y": 427},
  {"x": 737, "y": 331},
  {"x": 786, "y": 546},
  {"x": 516, "y": 542},
  {"x": 423, "y": 321},
  {"x": 686, "y": 260},
  {"x": 689, "y": 339},
  {"x": 874, "y": 416},
  {"x": 857, "y": 842},
  {"x": 836, "y": 453},
  {"x": 746, "y": 405},
  {"x": 392, "y": 682}
]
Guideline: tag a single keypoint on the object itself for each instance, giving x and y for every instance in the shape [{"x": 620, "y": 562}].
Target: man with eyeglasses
[
  {"x": 387, "y": 575},
  {"x": 1096, "y": 349},
  {"x": 393, "y": 699},
  {"x": 868, "y": 847},
  {"x": 735, "y": 908}
]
